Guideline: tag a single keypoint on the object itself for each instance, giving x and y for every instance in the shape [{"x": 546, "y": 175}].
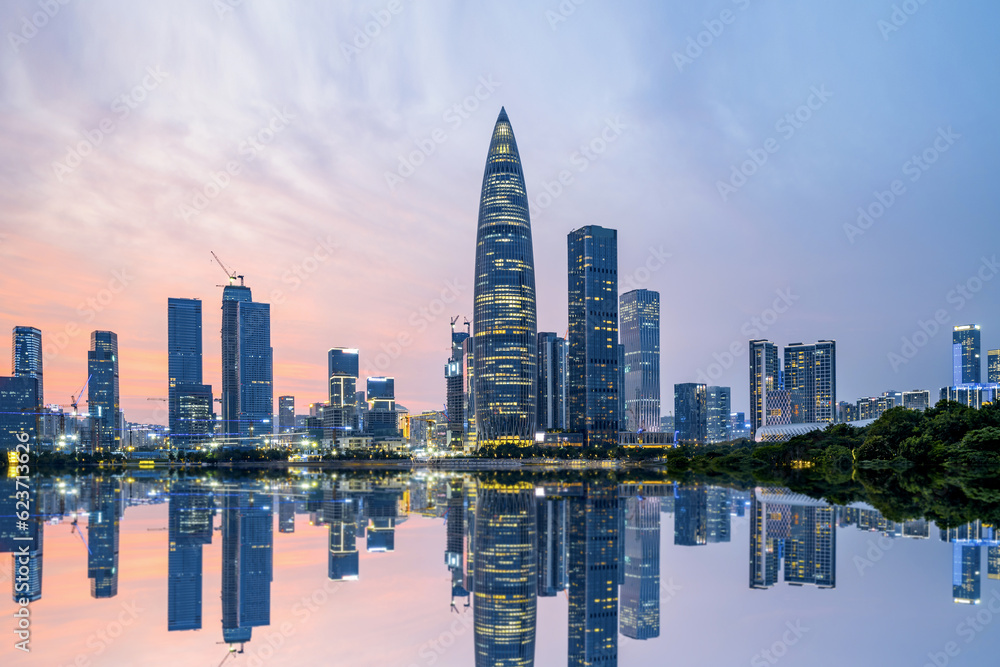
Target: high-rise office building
[
  {"x": 382, "y": 418},
  {"x": 506, "y": 575},
  {"x": 504, "y": 317},
  {"x": 189, "y": 401},
  {"x": 993, "y": 366},
  {"x": 551, "y": 381},
  {"x": 454, "y": 387},
  {"x": 718, "y": 401},
  {"x": 593, "y": 575},
  {"x": 993, "y": 562},
  {"x": 342, "y": 366},
  {"x": 26, "y": 361},
  {"x": 232, "y": 297},
  {"x": 966, "y": 366},
  {"x": 469, "y": 396},
  {"x": 103, "y": 530},
  {"x": 102, "y": 392},
  {"x": 918, "y": 399},
  {"x": 254, "y": 370},
  {"x": 286, "y": 413},
  {"x": 810, "y": 377},
  {"x": 640, "y": 335},
  {"x": 718, "y": 505},
  {"x": 764, "y": 378},
  {"x": 247, "y": 563},
  {"x": 593, "y": 373},
  {"x": 18, "y": 411},
  {"x": 640, "y": 594},
  {"x": 691, "y": 412}
]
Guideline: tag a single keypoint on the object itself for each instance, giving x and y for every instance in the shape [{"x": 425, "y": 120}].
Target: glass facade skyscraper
[
  {"x": 26, "y": 358},
  {"x": 504, "y": 318},
  {"x": 810, "y": 377},
  {"x": 232, "y": 297},
  {"x": 993, "y": 366},
  {"x": 551, "y": 381},
  {"x": 640, "y": 335},
  {"x": 103, "y": 531},
  {"x": 593, "y": 354},
  {"x": 17, "y": 410},
  {"x": 189, "y": 401},
  {"x": 965, "y": 344},
  {"x": 718, "y": 427},
  {"x": 102, "y": 392},
  {"x": 255, "y": 370},
  {"x": 765, "y": 371},
  {"x": 286, "y": 414},
  {"x": 454, "y": 392},
  {"x": 691, "y": 412}
]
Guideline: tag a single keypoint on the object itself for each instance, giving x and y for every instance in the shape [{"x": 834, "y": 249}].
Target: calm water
[{"x": 452, "y": 569}]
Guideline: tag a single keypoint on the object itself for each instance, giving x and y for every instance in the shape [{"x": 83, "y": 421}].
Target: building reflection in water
[
  {"x": 506, "y": 575},
  {"x": 247, "y": 563},
  {"x": 103, "y": 530},
  {"x": 189, "y": 524},
  {"x": 640, "y": 594},
  {"x": 796, "y": 529}
]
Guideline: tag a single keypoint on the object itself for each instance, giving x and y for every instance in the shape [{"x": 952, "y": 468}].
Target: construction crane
[
  {"x": 156, "y": 399},
  {"x": 229, "y": 274},
  {"x": 76, "y": 529},
  {"x": 75, "y": 399}
]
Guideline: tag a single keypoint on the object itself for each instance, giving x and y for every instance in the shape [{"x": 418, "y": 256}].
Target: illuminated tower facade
[
  {"x": 506, "y": 575},
  {"x": 965, "y": 345},
  {"x": 640, "y": 335},
  {"x": 593, "y": 370},
  {"x": 504, "y": 319}
]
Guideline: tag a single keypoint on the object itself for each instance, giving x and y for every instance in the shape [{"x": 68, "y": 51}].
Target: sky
[{"x": 332, "y": 153}]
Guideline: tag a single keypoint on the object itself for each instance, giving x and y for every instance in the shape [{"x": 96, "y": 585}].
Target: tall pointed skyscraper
[{"x": 504, "y": 322}]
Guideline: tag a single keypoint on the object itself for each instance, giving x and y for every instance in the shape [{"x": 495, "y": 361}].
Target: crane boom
[
  {"x": 229, "y": 274},
  {"x": 76, "y": 399}
]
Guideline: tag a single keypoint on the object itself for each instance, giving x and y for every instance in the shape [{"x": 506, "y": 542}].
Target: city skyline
[{"x": 312, "y": 209}]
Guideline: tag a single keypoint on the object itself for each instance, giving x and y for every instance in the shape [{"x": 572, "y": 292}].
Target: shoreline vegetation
[{"x": 942, "y": 464}]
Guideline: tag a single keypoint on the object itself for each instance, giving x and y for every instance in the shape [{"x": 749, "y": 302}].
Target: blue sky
[{"x": 311, "y": 117}]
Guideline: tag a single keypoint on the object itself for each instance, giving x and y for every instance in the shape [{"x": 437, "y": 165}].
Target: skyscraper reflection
[
  {"x": 506, "y": 578},
  {"x": 189, "y": 526},
  {"x": 593, "y": 575},
  {"x": 247, "y": 563},
  {"x": 796, "y": 528},
  {"x": 640, "y": 594},
  {"x": 102, "y": 537}
]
